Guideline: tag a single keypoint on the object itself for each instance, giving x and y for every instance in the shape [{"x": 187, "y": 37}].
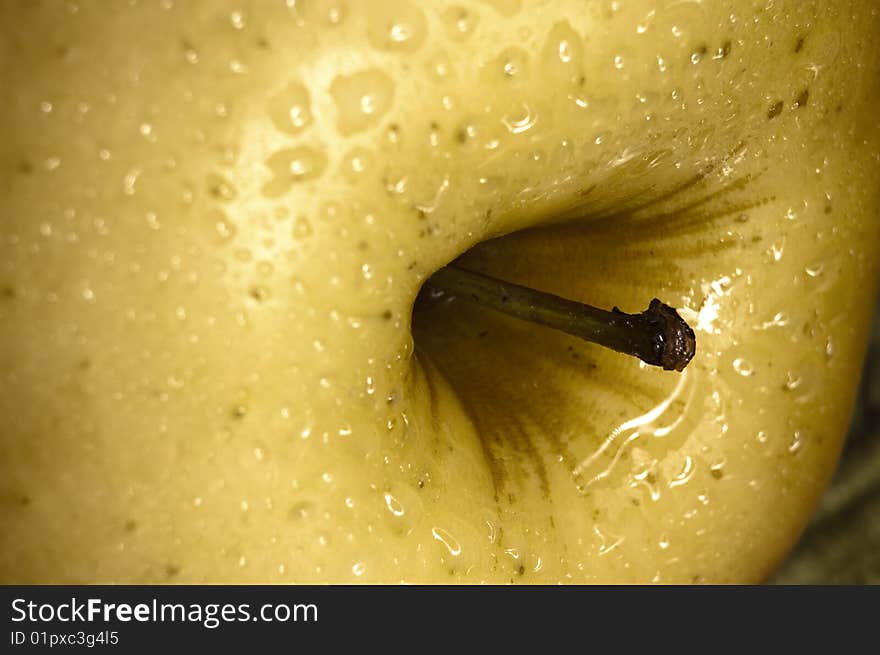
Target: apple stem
[{"x": 658, "y": 336}]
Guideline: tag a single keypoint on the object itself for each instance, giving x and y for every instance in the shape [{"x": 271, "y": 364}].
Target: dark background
[{"x": 842, "y": 545}]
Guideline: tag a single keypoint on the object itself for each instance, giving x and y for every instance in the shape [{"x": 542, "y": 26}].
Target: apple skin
[{"x": 215, "y": 219}]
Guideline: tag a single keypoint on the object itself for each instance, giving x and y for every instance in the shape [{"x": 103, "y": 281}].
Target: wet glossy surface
[{"x": 216, "y": 217}]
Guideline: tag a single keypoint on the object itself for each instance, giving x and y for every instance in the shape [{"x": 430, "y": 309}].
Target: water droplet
[
  {"x": 129, "y": 182},
  {"x": 290, "y": 109},
  {"x": 400, "y": 32},
  {"x": 685, "y": 20},
  {"x": 291, "y": 166},
  {"x": 780, "y": 319},
  {"x": 792, "y": 381},
  {"x": 368, "y": 105},
  {"x": 191, "y": 54},
  {"x": 645, "y": 477},
  {"x": 448, "y": 540},
  {"x": 327, "y": 12},
  {"x": 220, "y": 188},
  {"x": 646, "y": 22},
  {"x": 660, "y": 421},
  {"x": 607, "y": 541},
  {"x": 564, "y": 50},
  {"x": 685, "y": 474},
  {"x": 355, "y": 163},
  {"x": 776, "y": 250},
  {"x": 361, "y": 99},
  {"x": 152, "y": 220},
  {"x": 146, "y": 131},
  {"x": 396, "y": 25},
  {"x": 460, "y": 22},
  {"x": 743, "y": 367},
  {"x": 512, "y": 63},
  {"x": 520, "y": 121},
  {"x": 302, "y": 228},
  {"x": 335, "y": 15},
  {"x": 238, "y": 19},
  {"x": 815, "y": 270},
  {"x": 394, "y": 506},
  {"x": 359, "y": 568},
  {"x": 259, "y": 293},
  {"x": 396, "y": 185}
]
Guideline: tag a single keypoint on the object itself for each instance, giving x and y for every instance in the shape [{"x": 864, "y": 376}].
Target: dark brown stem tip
[{"x": 674, "y": 342}]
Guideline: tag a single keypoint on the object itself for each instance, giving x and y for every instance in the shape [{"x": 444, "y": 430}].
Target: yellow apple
[{"x": 216, "y": 218}]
